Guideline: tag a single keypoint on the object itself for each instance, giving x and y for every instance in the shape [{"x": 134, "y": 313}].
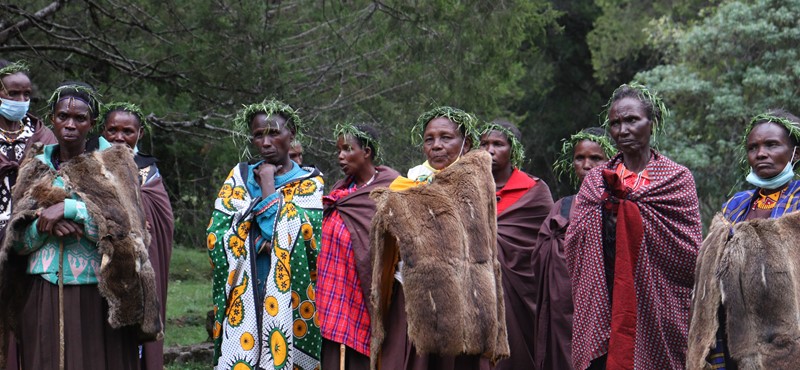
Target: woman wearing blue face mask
[
  {"x": 18, "y": 129},
  {"x": 771, "y": 142}
]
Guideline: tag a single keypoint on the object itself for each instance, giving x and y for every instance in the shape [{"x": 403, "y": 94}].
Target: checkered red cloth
[
  {"x": 340, "y": 302},
  {"x": 664, "y": 268}
]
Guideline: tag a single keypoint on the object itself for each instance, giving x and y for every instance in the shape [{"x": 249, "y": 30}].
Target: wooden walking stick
[
  {"x": 341, "y": 356},
  {"x": 61, "y": 344}
]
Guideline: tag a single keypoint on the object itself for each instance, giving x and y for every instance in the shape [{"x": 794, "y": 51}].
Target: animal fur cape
[
  {"x": 107, "y": 183},
  {"x": 755, "y": 273},
  {"x": 445, "y": 234}
]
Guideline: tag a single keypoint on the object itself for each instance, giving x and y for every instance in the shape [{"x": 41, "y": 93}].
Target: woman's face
[
  {"x": 768, "y": 149},
  {"x": 72, "y": 120},
  {"x": 16, "y": 87},
  {"x": 496, "y": 143},
  {"x": 629, "y": 126},
  {"x": 352, "y": 157},
  {"x": 271, "y": 137},
  {"x": 123, "y": 128},
  {"x": 587, "y": 155},
  {"x": 443, "y": 142}
]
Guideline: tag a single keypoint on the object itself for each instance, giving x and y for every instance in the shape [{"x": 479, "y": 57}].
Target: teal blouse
[{"x": 81, "y": 258}]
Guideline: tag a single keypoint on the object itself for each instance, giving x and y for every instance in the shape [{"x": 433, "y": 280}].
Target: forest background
[{"x": 549, "y": 66}]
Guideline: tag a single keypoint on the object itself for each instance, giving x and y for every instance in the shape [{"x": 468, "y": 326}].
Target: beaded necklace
[{"x": 766, "y": 201}]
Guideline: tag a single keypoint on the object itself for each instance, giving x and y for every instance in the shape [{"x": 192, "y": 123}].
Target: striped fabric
[{"x": 736, "y": 209}]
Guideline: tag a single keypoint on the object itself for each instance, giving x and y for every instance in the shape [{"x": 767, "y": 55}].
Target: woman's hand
[
  {"x": 265, "y": 177},
  {"x": 49, "y": 217},
  {"x": 66, "y": 228},
  {"x": 266, "y": 171}
]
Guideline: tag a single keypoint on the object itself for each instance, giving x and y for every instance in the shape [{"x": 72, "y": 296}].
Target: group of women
[
  {"x": 600, "y": 279},
  {"x": 87, "y": 232}
]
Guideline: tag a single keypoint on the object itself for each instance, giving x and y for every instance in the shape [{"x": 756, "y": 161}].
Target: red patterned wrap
[{"x": 663, "y": 266}]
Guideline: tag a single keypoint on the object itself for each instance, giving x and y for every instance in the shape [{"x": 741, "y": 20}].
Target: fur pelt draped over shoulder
[
  {"x": 445, "y": 233},
  {"x": 106, "y": 181},
  {"x": 755, "y": 274}
]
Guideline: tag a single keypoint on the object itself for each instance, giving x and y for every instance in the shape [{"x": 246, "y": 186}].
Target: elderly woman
[
  {"x": 523, "y": 202},
  {"x": 418, "y": 320},
  {"x": 66, "y": 219},
  {"x": 344, "y": 268},
  {"x": 446, "y": 134},
  {"x": 740, "y": 332},
  {"x": 631, "y": 258},
  {"x": 123, "y": 124},
  {"x": 263, "y": 240},
  {"x": 18, "y": 130},
  {"x": 553, "y": 297}
]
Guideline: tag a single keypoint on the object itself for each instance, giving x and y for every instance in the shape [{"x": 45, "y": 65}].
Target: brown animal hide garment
[
  {"x": 755, "y": 273},
  {"x": 107, "y": 183},
  {"x": 445, "y": 234}
]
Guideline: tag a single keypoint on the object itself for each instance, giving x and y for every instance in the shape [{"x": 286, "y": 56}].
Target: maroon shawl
[
  {"x": 664, "y": 266},
  {"x": 517, "y": 228},
  {"x": 159, "y": 215},
  {"x": 357, "y": 210},
  {"x": 553, "y": 323}
]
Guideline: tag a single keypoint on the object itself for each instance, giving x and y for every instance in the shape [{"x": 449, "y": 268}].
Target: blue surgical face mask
[
  {"x": 136, "y": 145},
  {"x": 778, "y": 180},
  {"x": 13, "y": 110}
]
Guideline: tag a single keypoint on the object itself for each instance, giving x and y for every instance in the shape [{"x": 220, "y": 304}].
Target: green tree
[
  {"x": 192, "y": 67},
  {"x": 739, "y": 61},
  {"x": 620, "y": 41}
]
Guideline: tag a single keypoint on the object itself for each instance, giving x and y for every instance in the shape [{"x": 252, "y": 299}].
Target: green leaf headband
[
  {"x": 563, "y": 165},
  {"x": 646, "y": 95},
  {"x": 517, "y": 150},
  {"x": 792, "y": 127},
  {"x": 241, "y": 123},
  {"x": 122, "y": 107},
  {"x": 348, "y": 129},
  {"x": 16, "y": 67},
  {"x": 90, "y": 93},
  {"x": 457, "y": 116}
]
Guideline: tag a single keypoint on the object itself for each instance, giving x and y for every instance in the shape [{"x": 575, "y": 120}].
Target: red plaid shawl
[
  {"x": 664, "y": 267},
  {"x": 342, "y": 312},
  {"x": 344, "y": 262}
]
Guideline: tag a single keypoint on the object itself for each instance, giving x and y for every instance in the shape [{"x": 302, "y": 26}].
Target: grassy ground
[{"x": 188, "y": 300}]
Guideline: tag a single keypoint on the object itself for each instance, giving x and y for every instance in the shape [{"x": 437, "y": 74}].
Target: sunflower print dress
[{"x": 284, "y": 333}]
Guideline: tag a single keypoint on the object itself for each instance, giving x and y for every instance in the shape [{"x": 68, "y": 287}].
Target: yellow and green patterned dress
[{"x": 263, "y": 255}]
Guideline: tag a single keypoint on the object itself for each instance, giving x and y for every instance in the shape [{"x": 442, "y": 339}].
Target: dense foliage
[
  {"x": 548, "y": 65},
  {"x": 739, "y": 61}
]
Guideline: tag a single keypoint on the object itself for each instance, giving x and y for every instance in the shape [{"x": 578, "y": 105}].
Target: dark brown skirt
[
  {"x": 90, "y": 342},
  {"x": 331, "y": 357}
]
